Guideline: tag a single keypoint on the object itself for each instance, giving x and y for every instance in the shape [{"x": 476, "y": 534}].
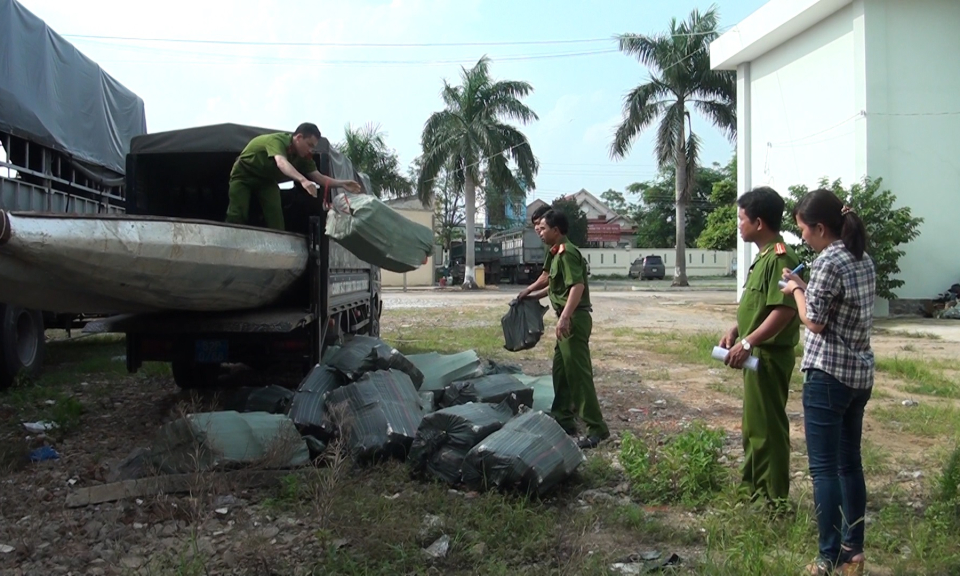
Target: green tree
[
  {"x": 680, "y": 74},
  {"x": 655, "y": 214},
  {"x": 367, "y": 149},
  {"x": 720, "y": 232},
  {"x": 577, "y": 232},
  {"x": 471, "y": 136},
  {"x": 615, "y": 201},
  {"x": 888, "y": 228}
]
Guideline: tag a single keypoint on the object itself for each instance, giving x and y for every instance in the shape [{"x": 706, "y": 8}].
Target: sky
[{"x": 359, "y": 62}]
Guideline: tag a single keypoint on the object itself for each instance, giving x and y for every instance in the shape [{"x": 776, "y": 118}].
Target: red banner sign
[{"x": 603, "y": 232}]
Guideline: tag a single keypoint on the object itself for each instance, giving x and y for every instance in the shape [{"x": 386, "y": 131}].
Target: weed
[
  {"x": 924, "y": 420},
  {"x": 685, "y": 468},
  {"x": 921, "y": 376}
]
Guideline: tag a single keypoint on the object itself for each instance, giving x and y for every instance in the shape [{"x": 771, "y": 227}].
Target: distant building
[
  {"x": 412, "y": 209},
  {"x": 605, "y": 228}
]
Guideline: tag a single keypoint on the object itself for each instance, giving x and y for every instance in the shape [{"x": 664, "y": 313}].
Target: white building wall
[
  {"x": 617, "y": 261},
  {"x": 913, "y": 128},
  {"x": 870, "y": 88},
  {"x": 801, "y": 114}
]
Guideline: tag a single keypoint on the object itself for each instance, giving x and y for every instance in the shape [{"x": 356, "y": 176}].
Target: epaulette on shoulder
[{"x": 780, "y": 248}]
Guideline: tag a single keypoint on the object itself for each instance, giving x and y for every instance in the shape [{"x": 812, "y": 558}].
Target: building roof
[
  {"x": 770, "y": 26},
  {"x": 584, "y": 197}
]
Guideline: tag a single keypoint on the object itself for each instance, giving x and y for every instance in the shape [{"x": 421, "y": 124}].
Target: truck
[
  {"x": 63, "y": 142},
  {"x": 184, "y": 175},
  {"x": 486, "y": 254},
  {"x": 522, "y": 254}
]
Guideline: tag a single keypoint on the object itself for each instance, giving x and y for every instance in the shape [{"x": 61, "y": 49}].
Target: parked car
[{"x": 648, "y": 267}]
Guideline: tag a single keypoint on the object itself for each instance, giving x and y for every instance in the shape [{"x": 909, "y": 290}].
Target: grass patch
[
  {"x": 734, "y": 390},
  {"x": 922, "y": 376},
  {"x": 682, "y": 469},
  {"x": 491, "y": 533},
  {"x": 932, "y": 420},
  {"x": 920, "y": 335},
  {"x": 746, "y": 538},
  {"x": 874, "y": 458}
]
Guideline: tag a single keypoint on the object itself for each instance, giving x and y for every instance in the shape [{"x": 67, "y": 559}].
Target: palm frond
[
  {"x": 721, "y": 114},
  {"x": 668, "y": 134},
  {"x": 641, "y": 106}
]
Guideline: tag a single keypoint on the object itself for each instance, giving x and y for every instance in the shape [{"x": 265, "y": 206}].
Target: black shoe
[{"x": 591, "y": 441}]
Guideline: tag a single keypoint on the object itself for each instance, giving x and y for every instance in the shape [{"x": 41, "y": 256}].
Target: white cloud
[{"x": 601, "y": 133}]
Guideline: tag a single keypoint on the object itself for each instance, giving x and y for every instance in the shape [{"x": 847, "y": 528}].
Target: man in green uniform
[
  {"x": 768, "y": 327},
  {"x": 564, "y": 279},
  {"x": 269, "y": 159}
]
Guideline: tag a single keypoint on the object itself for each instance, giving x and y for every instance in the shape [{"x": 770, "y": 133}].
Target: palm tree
[
  {"x": 367, "y": 150},
  {"x": 680, "y": 74},
  {"x": 471, "y": 137}
]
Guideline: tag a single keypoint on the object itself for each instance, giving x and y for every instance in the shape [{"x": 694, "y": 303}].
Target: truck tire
[
  {"x": 21, "y": 343},
  {"x": 190, "y": 375}
]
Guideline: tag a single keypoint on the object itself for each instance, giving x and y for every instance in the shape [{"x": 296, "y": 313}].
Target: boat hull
[{"x": 114, "y": 264}]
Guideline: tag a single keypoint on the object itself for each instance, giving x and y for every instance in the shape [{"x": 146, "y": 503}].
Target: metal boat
[{"x": 98, "y": 264}]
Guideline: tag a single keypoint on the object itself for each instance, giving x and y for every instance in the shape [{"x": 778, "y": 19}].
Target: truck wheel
[
  {"x": 21, "y": 343},
  {"x": 190, "y": 375}
]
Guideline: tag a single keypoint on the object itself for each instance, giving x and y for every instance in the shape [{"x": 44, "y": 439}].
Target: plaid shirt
[{"x": 840, "y": 296}]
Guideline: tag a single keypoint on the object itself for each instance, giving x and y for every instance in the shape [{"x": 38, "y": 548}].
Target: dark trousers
[
  {"x": 574, "y": 392},
  {"x": 833, "y": 419},
  {"x": 765, "y": 427}
]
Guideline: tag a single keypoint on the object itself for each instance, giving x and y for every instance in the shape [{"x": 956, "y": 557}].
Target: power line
[
  {"x": 614, "y": 38},
  {"x": 241, "y": 59},
  {"x": 340, "y": 44}
]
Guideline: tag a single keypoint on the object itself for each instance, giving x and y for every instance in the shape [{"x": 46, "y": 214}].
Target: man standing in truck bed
[{"x": 270, "y": 159}]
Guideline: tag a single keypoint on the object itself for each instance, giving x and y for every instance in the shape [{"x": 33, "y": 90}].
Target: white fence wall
[{"x": 617, "y": 261}]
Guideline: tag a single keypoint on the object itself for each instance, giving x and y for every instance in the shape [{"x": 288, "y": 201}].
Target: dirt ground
[{"x": 639, "y": 386}]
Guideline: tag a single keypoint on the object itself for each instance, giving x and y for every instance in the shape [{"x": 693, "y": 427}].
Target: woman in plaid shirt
[{"x": 836, "y": 307}]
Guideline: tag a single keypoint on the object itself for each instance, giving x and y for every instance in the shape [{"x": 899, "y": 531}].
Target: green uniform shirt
[
  {"x": 567, "y": 267},
  {"x": 761, "y": 294},
  {"x": 257, "y": 162}
]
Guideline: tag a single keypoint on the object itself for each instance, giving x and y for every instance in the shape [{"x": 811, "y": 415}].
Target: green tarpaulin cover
[
  {"x": 378, "y": 234},
  {"x": 440, "y": 370},
  {"x": 228, "y": 439}
]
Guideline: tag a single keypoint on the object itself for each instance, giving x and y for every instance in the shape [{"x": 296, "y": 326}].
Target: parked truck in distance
[
  {"x": 486, "y": 253},
  {"x": 521, "y": 254}
]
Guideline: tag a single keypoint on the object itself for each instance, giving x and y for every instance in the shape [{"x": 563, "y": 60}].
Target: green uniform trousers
[
  {"x": 268, "y": 193},
  {"x": 574, "y": 393},
  {"x": 766, "y": 429}
]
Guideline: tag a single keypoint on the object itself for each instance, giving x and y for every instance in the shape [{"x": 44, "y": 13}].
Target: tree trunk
[
  {"x": 470, "y": 205},
  {"x": 680, "y": 271}
]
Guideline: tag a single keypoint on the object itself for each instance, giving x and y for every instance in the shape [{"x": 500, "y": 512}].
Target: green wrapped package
[
  {"x": 439, "y": 371},
  {"x": 208, "y": 440},
  {"x": 445, "y": 436},
  {"x": 378, "y": 234},
  {"x": 379, "y": 415},
  {"x": 530, "y": 452}
]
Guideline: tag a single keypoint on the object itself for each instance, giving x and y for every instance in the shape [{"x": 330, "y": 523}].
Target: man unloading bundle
[{"x": 269, "y": 159}]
